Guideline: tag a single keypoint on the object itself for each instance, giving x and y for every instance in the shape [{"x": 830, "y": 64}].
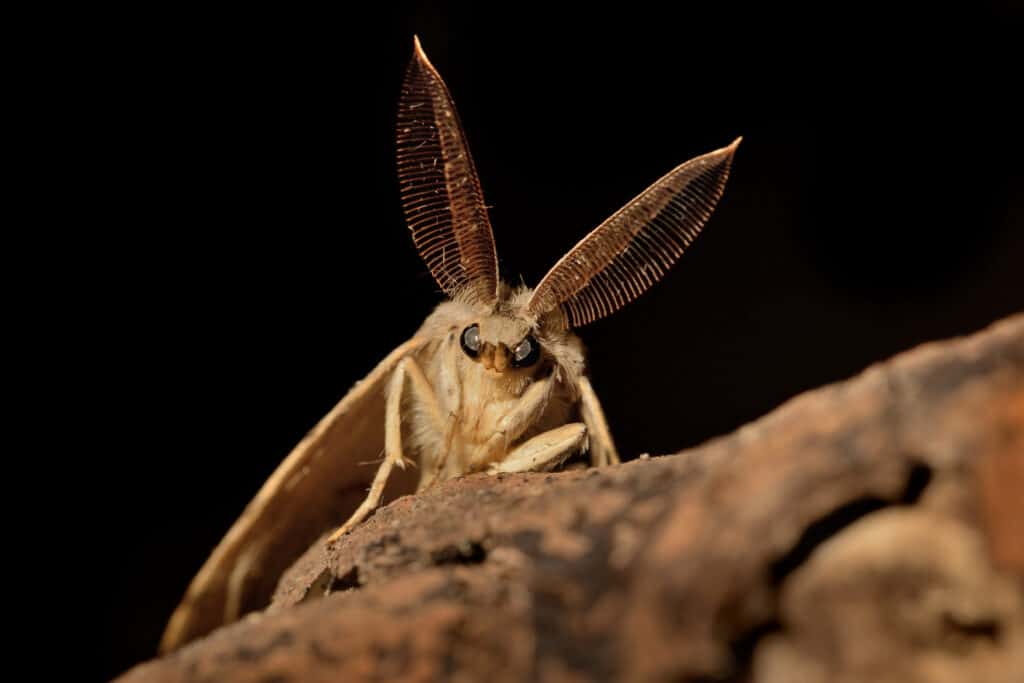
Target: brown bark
[{"x": 867, "y": 531}]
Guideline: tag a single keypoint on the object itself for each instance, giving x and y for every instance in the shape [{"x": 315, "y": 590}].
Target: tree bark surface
[{"x": 871, "y": 530}]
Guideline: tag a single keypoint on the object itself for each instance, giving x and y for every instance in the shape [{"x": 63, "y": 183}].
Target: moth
[{"x": 493, "y": 380}]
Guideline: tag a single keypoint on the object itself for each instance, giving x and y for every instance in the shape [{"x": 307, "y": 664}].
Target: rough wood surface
[{"x": 872, "y": 530}]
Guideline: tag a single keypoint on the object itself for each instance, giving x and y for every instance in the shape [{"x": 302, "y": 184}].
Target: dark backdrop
[{"x": 249, "y": 259}]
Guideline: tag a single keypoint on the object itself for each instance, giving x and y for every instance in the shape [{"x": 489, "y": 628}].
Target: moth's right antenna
[{"x": 441, "y": 195}]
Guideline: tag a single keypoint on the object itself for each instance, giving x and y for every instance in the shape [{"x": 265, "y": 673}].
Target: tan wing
[{"x": 316, "y": 487}]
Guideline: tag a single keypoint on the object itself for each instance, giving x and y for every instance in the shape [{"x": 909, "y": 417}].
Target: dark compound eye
[
  {"x": 471, "y": 340},
  {"x": 526, "y": 352}
]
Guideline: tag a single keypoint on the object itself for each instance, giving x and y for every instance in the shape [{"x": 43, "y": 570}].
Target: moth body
[
  {"x": 486, "y": 402},
  {"x": 493, "y": 381}
]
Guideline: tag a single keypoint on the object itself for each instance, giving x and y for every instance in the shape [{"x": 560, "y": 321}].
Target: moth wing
[{"x": 314, "y": 489}]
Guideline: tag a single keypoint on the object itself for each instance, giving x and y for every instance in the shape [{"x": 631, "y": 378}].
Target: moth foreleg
[
  {"x": 512, "y": 425},
  {"x": 544, "y": 451},
  {"x": 393, "y": 455},
  {"x": 602, "y": 448},
  {"x": 424, "y": 398}
]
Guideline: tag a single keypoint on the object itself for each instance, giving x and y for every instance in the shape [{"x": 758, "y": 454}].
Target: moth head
[
  {"x": 504, "y": 340},
  {"x": 611, "y": 266}
]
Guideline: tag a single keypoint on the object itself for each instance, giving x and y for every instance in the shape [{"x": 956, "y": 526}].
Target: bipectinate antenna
[
  {"x": 441, "y": 195},
  {"x": 629, "y": 252}
]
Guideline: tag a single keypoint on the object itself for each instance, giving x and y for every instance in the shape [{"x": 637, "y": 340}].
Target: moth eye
[
  {"x": 471, "y": 340},
  {"x": 526, "y": 352}
]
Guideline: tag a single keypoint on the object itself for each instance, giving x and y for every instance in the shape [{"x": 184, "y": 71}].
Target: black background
[{"x": 246, "y": 258}]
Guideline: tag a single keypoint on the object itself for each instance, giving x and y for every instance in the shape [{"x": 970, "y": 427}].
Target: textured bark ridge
[{"x": 872, "y": 530}]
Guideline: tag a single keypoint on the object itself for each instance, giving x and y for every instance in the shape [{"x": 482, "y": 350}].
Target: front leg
[
  {"x": 424, "y": 395},
  {"x": 602, "y": 448},
  {"x": 544, "y": 451},
  {"x": 511, "y": 426}
]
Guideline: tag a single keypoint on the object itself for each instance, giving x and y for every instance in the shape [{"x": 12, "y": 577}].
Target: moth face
[{"x": 502, "y": 345}]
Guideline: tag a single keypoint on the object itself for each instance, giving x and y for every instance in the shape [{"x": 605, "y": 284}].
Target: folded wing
[{"x": 313, "y": 490}]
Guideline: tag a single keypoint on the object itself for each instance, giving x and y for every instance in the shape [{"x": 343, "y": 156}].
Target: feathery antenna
[
  {"x": 441, "y": 195},
  {"x": 621, "y": 258}
]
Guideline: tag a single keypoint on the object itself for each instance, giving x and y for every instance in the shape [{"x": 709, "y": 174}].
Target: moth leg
[
  {"x": 530, "y": 406},
  {"x": 407, "y": 369},
  {"x": 544, "y": 451},
  {"x": 602, "y": 447},
  {"x": 424, "y": 397},
  {"x": 432, "y": 471},
  {"x": 371, "y": 502}
]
